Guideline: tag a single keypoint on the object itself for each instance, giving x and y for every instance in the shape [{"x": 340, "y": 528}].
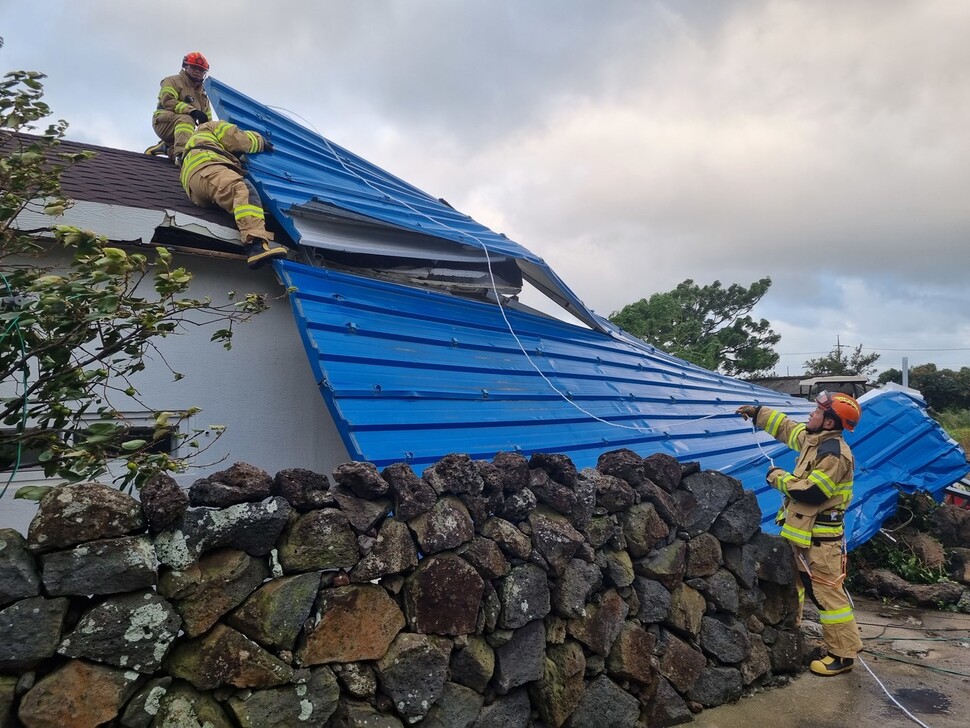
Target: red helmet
[
  {"x": 196, "y": 59},
  {"x": 842, "y": 406}
]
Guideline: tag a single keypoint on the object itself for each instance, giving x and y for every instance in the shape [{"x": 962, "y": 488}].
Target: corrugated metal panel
[
  {"x": 412, "y": 375},
  {"x": 306, "y": 170}
]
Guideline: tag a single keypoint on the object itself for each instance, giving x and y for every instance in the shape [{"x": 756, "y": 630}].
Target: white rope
[
  {"x": 874, "y": 676},
  {"x": 889, "y": 695},
  {"x": 498, "y": 300},
  {"x": 757, "y": 441}
]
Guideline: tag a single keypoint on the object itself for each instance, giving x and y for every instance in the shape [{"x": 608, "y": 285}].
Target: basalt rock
[
  {"x": 412, "y": 495},
  {"x": 18, "y": 574},
  {"x": 393, "y": 552},
  {"x": 241, "y": 483},
  {"x": 443, "y": 596},
  {"x": 303, "y": 489},
  {"x": 630, "y": 595},
  {"x": 664, "y": 470},
  {"x": 164, "y": 502},
  {"x": 73, "y": 514},
  {"x": 363, "y": 479},
  {"x": 275, "y": 613},
  {"x": 445, "y": 526},
  {"x": 355, "y": 623},
  {"x": 290, "y": 706},
  {"x": 77, "y": 694},
  {"x": 413, "y": 672},
  {"x": 455, "y": 473},
  {"x": 623, "y": 464},
  {"x": 513, "y": 469},
  {"x": 320, "y": 539},
  {"x": 226, "y": 657},
  {"x": 110, "y": 566},
  {"x": 30, "y": 631},
  {"x": 133, "y": 631},
  {"x": 250, "y": 527}
]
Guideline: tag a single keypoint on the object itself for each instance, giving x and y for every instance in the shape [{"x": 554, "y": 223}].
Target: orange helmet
[
  {"x": 844, "y": 407},
  {"x": 196, "y": 59}
]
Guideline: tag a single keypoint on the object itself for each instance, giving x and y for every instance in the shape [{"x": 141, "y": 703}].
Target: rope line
[
  {"x": 889, "y": 695},
  {"x": 498, "y": 298}
]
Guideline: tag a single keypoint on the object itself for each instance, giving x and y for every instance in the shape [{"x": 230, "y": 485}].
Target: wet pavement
[{"x": 921, "y": 657}]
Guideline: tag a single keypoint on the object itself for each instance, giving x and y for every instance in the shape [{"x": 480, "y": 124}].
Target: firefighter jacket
[
  {"x": 818, "y": 490},
  {"x": 218, "y": 142},
  {"x": 181, "y": 96}
]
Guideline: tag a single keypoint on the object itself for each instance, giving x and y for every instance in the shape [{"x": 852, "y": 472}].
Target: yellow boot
[{"x": 831, "y": 665}]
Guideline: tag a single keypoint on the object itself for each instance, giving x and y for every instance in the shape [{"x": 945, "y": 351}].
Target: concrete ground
[{"x": 922, "y": 657}]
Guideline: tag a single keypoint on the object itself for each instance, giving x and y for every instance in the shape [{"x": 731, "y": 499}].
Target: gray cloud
[{"x": 631, "y": 144}]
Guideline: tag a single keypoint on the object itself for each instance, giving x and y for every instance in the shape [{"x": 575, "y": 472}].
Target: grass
[{"x": 957, "y": 425}]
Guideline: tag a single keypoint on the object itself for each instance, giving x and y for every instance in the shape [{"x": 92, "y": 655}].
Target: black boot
[{"x": 258, "y": 251}]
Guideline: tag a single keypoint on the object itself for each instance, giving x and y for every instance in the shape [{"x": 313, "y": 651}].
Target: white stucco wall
[{"x": 262, "y": 390}]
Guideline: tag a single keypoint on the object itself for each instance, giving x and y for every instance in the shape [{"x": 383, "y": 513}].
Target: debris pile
[
  {"x": 506, "y": 593},
  {"x": 921, "y": 557}
]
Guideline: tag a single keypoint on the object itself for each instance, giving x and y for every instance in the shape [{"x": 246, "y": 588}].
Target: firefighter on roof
[
  {"x": 816, "y": 495},
  {"x": 213, "y": 173},
  {"x": 182, "y": 105}
]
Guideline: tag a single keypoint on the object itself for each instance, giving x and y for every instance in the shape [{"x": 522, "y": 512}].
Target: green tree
[
  {"x": 707, "y": 325},
  {"x": 72, "y": 337},
  {"x": 943, "y": 389},
  {"x": 838, "y": 361}
]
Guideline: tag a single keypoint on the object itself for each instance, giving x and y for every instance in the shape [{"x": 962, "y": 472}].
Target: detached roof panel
[
  {"x": 308, "y": 168},
  {"x": 308, "y": 174},
  {"x": 412, "y": 374},
  {"x": 395, "y": 361}
]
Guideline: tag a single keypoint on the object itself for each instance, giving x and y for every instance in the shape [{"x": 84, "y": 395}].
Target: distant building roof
[{"x": 785, "y": 385}]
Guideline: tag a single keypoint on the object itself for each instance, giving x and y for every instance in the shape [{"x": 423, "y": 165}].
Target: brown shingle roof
[
  {"x": 133, "y": 179},
  {"x": 120, "y": 177}
]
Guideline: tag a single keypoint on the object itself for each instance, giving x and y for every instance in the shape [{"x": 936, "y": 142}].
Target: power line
[{"x": 871, "y": 348}]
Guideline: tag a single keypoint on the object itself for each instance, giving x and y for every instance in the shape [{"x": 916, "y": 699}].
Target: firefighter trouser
[
  {"x": 823, "y": 584},
  {"x": 173, "y": 129},
  {"x": 216, "y": 183}
]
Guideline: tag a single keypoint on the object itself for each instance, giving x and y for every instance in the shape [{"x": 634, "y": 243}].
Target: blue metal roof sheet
[
  {"x": 307, "y": 170},
  {"x": 413, "y": 374}
]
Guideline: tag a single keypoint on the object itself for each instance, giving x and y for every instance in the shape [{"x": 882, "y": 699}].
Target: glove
[
  {"x": 748, "y": 411},
  {"x": 268, "y": 145},
  {"x": 199, "y": 116},
  {"x": 772, "y": 474}
]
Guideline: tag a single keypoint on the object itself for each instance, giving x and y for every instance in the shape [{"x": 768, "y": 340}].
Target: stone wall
[{"x": 490, "y": 594}]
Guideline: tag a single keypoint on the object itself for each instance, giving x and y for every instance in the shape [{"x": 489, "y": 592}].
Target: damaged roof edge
[
  {"x": 307, "y": 172},
  {"x": 121, "y": 223}
]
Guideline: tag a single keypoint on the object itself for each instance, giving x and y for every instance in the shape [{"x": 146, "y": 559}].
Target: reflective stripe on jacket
[
  {"x": 180, "y": 96},
  {"x": 218, "y": 142},
  {"x": 821, "y": 481}
]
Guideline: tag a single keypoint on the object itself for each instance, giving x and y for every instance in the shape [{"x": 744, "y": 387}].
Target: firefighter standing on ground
[
  {"x": 182, "y": 104},
  {"x": 213, "y": 173},
  {"x": 817, "y": 493}
]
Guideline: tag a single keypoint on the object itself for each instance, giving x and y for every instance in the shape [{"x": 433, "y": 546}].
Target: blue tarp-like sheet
[{"x": 411, "y": 374}]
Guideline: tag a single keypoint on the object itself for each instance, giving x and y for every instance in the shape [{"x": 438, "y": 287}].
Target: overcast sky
[{"x": 632, "y": 144}]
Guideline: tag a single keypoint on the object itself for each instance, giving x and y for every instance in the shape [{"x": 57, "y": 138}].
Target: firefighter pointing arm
[{"x": 815, "y": 497}]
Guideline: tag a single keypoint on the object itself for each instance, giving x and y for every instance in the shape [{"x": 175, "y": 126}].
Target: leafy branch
[{"x": 72, "y": 334}]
